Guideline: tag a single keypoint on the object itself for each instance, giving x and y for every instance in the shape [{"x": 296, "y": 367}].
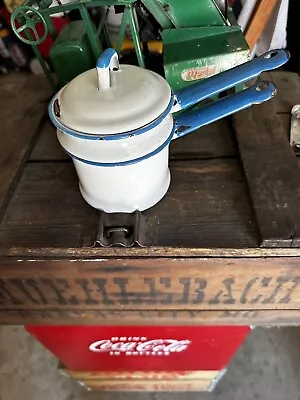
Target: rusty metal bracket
[{"x": 121, "y": 229}]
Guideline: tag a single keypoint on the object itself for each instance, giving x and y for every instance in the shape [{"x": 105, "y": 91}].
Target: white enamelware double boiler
[{"x": 116, "y": 122}]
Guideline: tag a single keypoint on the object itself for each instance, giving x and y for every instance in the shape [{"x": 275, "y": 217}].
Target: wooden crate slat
[
  {"x": 259, "y": 20},
  {"x": 212, "y": 141},
  {"x": 151, "y": 284},
  {"x": 145, "y": 385},
  {"x": 137, "y": 375},
  {"x": 288, "y": 86},
  {"x": 110, "y": 291},
  {"x": 47, "y": 209},
  {"x": 56, "y": 253},
  {"x": 21, "y": 116},
  {"x": 272, "y": 173},
  {"x": 47, "y": 147},
  {"x": 166, "y": 317}
]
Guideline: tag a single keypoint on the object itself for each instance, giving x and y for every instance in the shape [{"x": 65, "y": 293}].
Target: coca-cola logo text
[{"x": 139, "y": 346}]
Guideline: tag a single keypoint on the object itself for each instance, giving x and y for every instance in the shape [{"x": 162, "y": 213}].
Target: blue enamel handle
[
  {"x": 208, "y": 87},
  {"x": 189, "y": 121},
  {"x": 107, "y": 58},
  {"x": 106, "y": 62}
]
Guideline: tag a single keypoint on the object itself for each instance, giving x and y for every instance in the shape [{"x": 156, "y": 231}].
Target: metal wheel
[{"x": 28, "y": 17}]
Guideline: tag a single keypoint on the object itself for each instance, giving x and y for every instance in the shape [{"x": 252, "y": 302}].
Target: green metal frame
[
  {"x": 129, "y": 18},
  {"x": 195, "y": 34},
  {"x": 159, "y": 13}
]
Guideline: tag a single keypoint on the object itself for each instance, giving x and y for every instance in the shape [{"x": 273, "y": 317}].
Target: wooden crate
[
  {"x": 145, "y": 380},
  {"x": 225, "y": 239},
  {"x": 147, "y": 385}
]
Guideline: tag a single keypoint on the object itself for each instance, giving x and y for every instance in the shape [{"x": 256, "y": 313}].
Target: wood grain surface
[
  {"x": 286, "y": 317},
  {"x": 261, "y": 15},
  {"x": 272, "y": 173},
  {"x": 288, "y": 87},
  {"x": 147, "y": 385},
  {"x": 206, "y": 206},
  {"x": 136, "y": 375},
  {"x": 129, "y": 291},
  {"x": 22, "y": 110}
]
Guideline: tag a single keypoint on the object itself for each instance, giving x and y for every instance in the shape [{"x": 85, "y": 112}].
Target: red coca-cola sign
[{"x": 139, "y": 346}]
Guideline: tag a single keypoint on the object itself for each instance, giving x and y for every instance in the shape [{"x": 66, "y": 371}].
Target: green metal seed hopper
[{"x": 71, "y": 44}]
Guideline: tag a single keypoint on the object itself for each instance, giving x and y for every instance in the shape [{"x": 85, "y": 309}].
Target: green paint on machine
[
  {"x": 187, "y": 13},
  {"x": 72, "y": 44},
  {"x": 193, "y": 52}
]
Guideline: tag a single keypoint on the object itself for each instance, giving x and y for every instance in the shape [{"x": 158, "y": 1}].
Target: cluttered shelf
[{"x": 221, "y": 247}]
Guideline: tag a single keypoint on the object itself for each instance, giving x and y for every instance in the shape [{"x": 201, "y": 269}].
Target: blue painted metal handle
[
  {"x": 208, "y": 87},
  {"x": 189, "y": 121},
  {"x": 106, "y": 62},
  {"x": 106, "y": 57}
]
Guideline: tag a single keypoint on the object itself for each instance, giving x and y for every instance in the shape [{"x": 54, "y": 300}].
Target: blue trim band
[
  {"x": 105, "y": 59},
  {"x": 117, "y": 136},
  {"x": 124, "y": 163}
]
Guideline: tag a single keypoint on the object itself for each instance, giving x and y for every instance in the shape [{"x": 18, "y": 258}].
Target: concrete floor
[{"x": 266, "y": 367}]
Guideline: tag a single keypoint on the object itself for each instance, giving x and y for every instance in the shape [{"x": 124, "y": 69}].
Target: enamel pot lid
[{"x": 111, "y": 99}]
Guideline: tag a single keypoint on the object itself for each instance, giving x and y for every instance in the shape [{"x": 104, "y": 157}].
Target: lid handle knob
[{"x": 106, "y": 62}]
